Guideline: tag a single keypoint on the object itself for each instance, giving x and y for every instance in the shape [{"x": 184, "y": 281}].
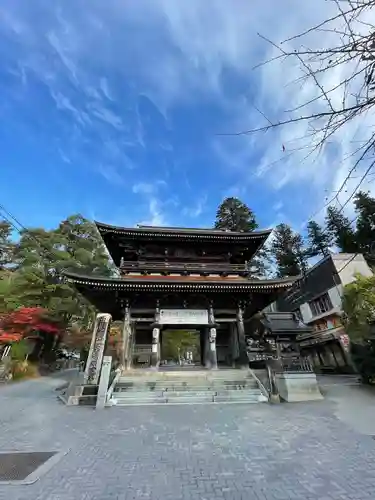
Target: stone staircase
[{"x": 141, "y": 387}]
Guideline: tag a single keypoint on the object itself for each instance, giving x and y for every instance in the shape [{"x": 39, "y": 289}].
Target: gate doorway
[{"x": 181, "y": 347}]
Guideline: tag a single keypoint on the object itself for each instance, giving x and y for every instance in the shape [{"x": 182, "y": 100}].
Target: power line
[{"x": 41, "y": 245}]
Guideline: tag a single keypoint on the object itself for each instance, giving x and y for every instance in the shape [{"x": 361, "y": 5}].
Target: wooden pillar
[
  {"x": 234, "y": 341},
  {"x": 155, "y": 348},
  {"x": 242, "y": 360},
  {"x": 334, "y": 355},
  {"x": 212, "y": 338},
  {"x": 126, "y": 339}
]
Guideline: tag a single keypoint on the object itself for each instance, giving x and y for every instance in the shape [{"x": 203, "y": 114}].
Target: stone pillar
[
  {"x": 96, "y": 353},
  {"x": 126, "y": 339},
  {"x": 242, "y": 360},
  {"x": 212, "y": 355},
  {"x": 155, "y": 350}
]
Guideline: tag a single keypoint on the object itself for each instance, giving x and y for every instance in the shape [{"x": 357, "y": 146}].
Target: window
[{"x": 320, "y": 305}]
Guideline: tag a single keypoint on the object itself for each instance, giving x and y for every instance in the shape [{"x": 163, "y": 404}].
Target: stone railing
[{"x": 296, "y": 364}]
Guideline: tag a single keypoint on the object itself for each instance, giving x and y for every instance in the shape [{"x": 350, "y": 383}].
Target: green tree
[
  {"x": 176, "y": 343},
  {"x": 8, "y": 300},
  {"x": 7, "y": 247},
  {"x": 365, "y": 227},
  {"x": 318, "y": 240},
  {"x": 288, "y": 251},
  {"x": 43, "y": 256},
  {"x": 359, "y": 307},
  {"x": 340, "y": 230},
  {"x": 234, "y": 215},
  {"x": 84, "y": 249},
  {"x": 260, "y": 265}
]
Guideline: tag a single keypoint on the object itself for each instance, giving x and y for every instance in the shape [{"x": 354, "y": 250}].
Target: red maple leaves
[{"x": 24, "y": 321}]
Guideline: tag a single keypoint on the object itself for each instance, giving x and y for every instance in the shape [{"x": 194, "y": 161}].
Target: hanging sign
[{"x": 183, "y": 317}]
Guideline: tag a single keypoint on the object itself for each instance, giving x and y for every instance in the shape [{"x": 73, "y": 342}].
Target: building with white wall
[{"x": 317, "y": 300}]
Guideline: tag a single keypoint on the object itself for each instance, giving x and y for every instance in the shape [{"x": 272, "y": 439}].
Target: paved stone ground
[{"x": 292, "y": 451}]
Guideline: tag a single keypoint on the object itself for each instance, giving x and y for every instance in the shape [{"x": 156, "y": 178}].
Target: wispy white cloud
[
  {"x": 184, "y": 55},
  {"x": 104, "y": 87},
  {"x": 148, "y": 188},
  {"x": 197, "y": 209}
]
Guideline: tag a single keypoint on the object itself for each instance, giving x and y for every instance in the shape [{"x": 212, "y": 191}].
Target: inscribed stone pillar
[
  {"x": 155, "y": 351},
  {"x": 242, "y": 360},
  {"x": 126, "y": 339},
  {"x": 212, "y": 339},
  {"x": 96, "y": 353}
]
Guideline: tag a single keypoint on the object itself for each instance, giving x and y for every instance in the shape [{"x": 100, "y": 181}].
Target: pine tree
[
  {"x": 6, "y": 246},
  {"x": 43, "y": 256},
  {"x": 287, "y": 248},
  {"x": 365, "y": 233},
  {"x": 318, "y": 240},
  {"x": 260, "y": 265},
  {"x": 234, "y": 215},
  {"x": 341, "y": 231}
]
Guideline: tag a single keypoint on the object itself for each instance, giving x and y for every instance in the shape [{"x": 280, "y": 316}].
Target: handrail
[
  {"x": 111, "y": 388},
  {"x": 296, "y": 364},
  {"x": 183, "y": 266},
  {"x": 262, "y": 388},
  {"x": 272, "y": 381}
]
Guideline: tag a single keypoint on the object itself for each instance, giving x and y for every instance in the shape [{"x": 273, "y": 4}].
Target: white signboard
[{"x": 183, "y": 316}]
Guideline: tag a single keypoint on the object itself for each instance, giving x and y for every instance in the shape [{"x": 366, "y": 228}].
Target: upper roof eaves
[{"x": 182, "y": 232}]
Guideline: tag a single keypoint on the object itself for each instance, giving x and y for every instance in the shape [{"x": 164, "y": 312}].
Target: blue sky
[{"x": 114, "y": 109}]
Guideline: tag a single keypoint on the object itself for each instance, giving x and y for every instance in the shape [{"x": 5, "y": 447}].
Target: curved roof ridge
[
  {"x": 182, "y": 230},
  {"x": 154, "y": 279}
]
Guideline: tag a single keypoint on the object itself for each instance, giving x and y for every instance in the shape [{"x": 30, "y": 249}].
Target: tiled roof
[
  {"x": 180, "y": 232},
  {"x": 179, "y": 282}
]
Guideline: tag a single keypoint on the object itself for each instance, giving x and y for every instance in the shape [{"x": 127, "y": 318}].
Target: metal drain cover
[{"x": 25, "y": 467}]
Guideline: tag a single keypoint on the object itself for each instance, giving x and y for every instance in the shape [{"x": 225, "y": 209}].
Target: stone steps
[
  {"x": 188, "y": 398},
  {"x": 179, "y": 387},
  {"x": 203, "y": 387}
]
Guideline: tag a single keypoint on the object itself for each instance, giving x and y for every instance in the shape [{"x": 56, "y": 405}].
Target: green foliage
[
  {"x": 234, "y": 215},
  {"x": 19, "y": 350},
  {"x": 359, "y": 307},
  {"x": 318, "y": 240},
  {"x": 8, "y": 300},
  {"x": 6, "y": 246},
  {"x": 365, "y": 233},
  {"x": 35, "y": 276},
  {"x": 260, "y": 265},
  {"x": 363, "y": 356},
  {"x": 176, "y": 343},
  {"x": 288, "y": 250},
  {"x": 340, "y": 230},
  {"x": 42, "y": 257}
]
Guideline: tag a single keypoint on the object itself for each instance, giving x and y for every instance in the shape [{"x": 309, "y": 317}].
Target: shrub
[{"x": 363, "y": 356}]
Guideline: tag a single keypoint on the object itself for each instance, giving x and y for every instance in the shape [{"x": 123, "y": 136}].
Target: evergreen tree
[
  {"x": 365, "y": 233},
  {"x": 260, "y": 265},
  {"x": 340, "y": 230},
  {"x": 318, "y": 240},
  {"x": 6, "y": 246},
  {"x": 289, "y": 253},
  {"x": 43, "y": 256},
  {"x": 84, "y": 247},
  {"x": 234, "y": 215}
]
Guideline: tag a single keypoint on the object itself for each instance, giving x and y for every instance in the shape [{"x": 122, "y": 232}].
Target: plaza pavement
[{"x": 306, "y": 451}]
